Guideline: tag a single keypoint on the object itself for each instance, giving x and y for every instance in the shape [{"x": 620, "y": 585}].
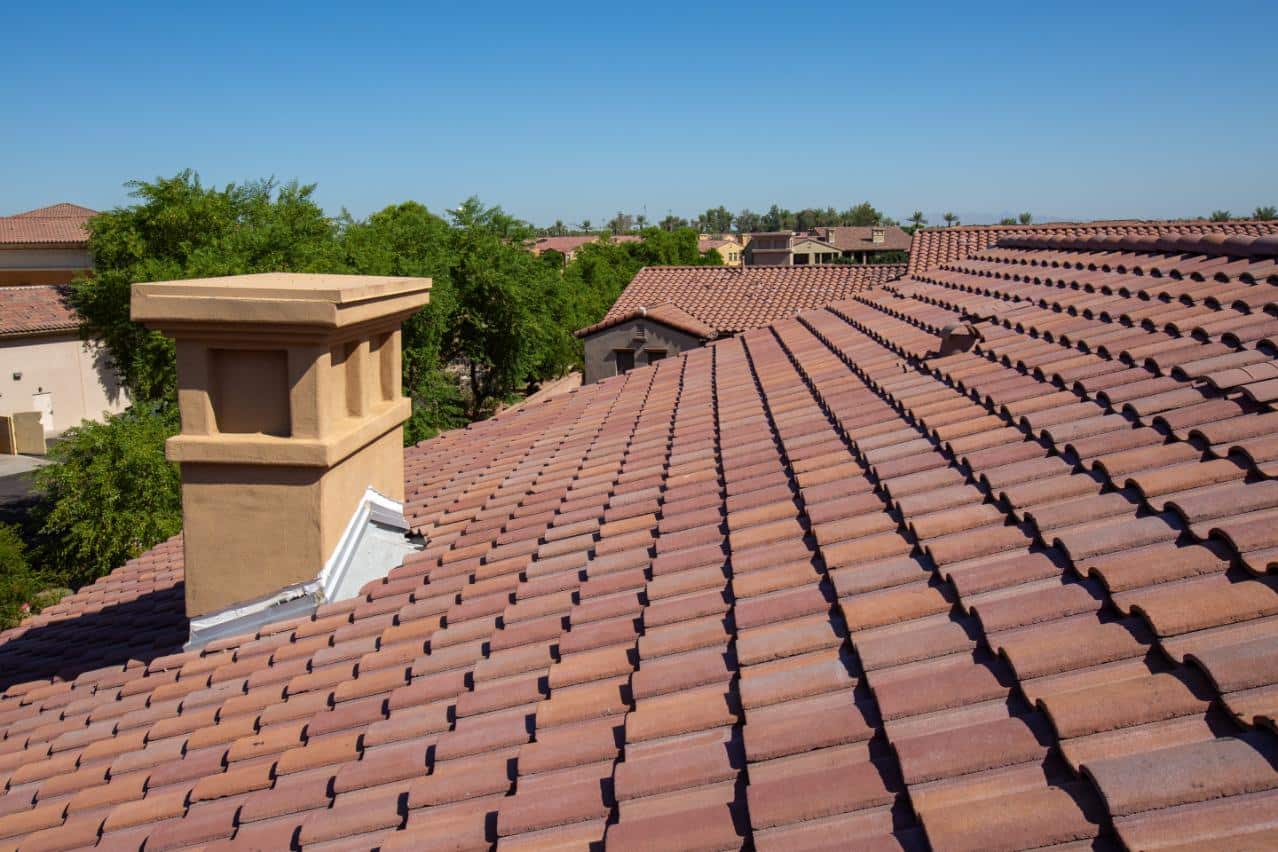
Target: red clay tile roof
[
  {"x": 59, "y": 224},
  {"x": 934, "y": 246},
  {"x": 35, "y": 309},
  {"x": 570, "y": 244},
  {"x": 731, "y": 299},
  {"x": 810, "y": 587},
  {"x": 858, "y": 238},
  {"x": 667, "y": 313}
]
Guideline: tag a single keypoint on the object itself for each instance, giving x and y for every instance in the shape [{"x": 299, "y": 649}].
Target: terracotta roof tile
[
  {"x": 812, "y": 582},
  {"x": 35, "y": 309},
  {"x": 710, "y": 301},
  {"x": 58, "y": 224}
]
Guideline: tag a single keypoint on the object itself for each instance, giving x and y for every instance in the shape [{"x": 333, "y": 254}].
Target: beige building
[
  {"x": 852, "y": 244},
  {"x": 45, "y": 246},
  {"x": 732, "y": 252},
  {"x": 44, "y": 365}
]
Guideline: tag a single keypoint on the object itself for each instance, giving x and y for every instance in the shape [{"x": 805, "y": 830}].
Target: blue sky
[{"x": 577, "y": 110}]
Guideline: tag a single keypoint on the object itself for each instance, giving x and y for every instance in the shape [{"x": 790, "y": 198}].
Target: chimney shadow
[{"x": 150, "y": 626}]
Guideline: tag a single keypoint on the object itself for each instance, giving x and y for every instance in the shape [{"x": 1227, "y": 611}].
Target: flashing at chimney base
[{"x": 375, "y": 541}]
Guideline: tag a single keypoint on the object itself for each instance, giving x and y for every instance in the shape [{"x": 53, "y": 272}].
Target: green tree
[
  {"x": 1007, "y": 220},
  {"x": 19, "y": 584},
  {"x": 110, "y": 494},
  {"x": 407, "y": 239},
  {"x": 1220, "y": 216},
  {"x": 585, "y": 226},
  {"x": 862, "y": 214},
  {"x": 1026, "y": 218},
  {"x": 1265, "y": 213},
  {"x": 601, "y": 270},
  {"x": 182, "y": 229},
  {"x": 747, "y": 221},
  {"x": 716, "y": 220},
  {"x": 778, "y": 219},
  {"x": 916, "y": 220},
  {"x": 672, "y": 223},
  {"x": 622, "y": 223},
  {"x": 950, "y": 220},
  {"x": 508, "y": 329}
]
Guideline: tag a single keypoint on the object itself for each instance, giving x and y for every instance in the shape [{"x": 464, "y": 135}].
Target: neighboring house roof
[
  {"x": 60, "y": 224},
  {"x": 35, "y": 309},
  {"x": 934, "y": 246},
  {"x": 571, "y": 244},
  {"x": 807, "y": 587},
  {"x": 666, "y": 313},
  {"x": 814, "y": 241},
  {"x": 705, "y": 245},
  {"x": 859, "y": 238},
  {"x": 729, "y": 299}
]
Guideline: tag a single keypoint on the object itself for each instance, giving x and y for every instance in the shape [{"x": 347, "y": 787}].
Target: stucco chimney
[
  {"x": 878, "y": 235},
  {"x": 291, "y": 446}
]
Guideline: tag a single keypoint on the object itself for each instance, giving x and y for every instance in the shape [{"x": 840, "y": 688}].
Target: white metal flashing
[{"x": 373, "y": 543}]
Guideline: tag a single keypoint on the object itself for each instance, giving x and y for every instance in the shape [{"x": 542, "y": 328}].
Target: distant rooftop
[
  {"x": 55, "y": 225},
  {"x": 728, "y": 300}
]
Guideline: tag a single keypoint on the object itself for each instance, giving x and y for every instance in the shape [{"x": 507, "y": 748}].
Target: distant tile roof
[
  {"x": 858, "y": 238},
  {"x": 732, "y": 299},
  {"x": 705, "y": 245},
  {"x": 59, "y": 224},
  {"x": 35, "y": 309},
  {"x": 934, "y": 246},
  {"x": 666, "y": 313},
  {"x": 810, "y": 587},
  {"x": 570, "y": 244}
]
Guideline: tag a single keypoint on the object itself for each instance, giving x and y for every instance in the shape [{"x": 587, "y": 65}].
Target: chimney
[
  {"x": 291, "y": 447},
  {"x": 878, "y": 235}
]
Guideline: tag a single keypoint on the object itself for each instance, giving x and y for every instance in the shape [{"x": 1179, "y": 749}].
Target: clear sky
[{"x": 576, "y": 110}]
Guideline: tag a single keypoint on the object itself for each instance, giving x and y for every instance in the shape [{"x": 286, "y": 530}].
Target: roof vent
[{"x": 291, "y": 446}]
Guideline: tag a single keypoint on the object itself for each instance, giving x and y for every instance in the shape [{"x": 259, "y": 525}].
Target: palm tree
[
  {"x": 1221, "y": 216},
  {"x": 1026, "y": 218},
  {"x": 585, "y": 225},
  {"x": 1270, "y": 212},
  {"x": 641, "y": 221},
  {"x": 917, "y": 220},
  {"x": 558, "y": 229},
  {"x": 950, "y": 220}
]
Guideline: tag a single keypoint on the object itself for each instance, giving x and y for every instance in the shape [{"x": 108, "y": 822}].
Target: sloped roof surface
[
  {"x": 729, "y": 299},
  {"x": 861, "y": 238},
  {"x": 569, "y": 244},
  {"x": 35, "y": 309},
  {"x": 666, "y": 313},
  {"x": 810, "y": 587},
  {"x": 934, "y": 246},
  {"x": 59, "y": 224}
]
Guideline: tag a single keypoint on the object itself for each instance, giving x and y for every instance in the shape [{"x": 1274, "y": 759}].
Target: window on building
[
  {"x": 655, "y": 355},
  {"x": 625, "y": 360},
  {"x": 800, "y": 259}
]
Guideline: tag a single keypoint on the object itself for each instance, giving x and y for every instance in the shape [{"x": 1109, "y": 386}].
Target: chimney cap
[{"x": 278, "y": 298}]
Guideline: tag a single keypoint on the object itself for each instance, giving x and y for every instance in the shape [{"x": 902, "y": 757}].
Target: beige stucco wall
[
  {"x": 75, "y": 373},
  {"x": 42, "y": 266}
]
